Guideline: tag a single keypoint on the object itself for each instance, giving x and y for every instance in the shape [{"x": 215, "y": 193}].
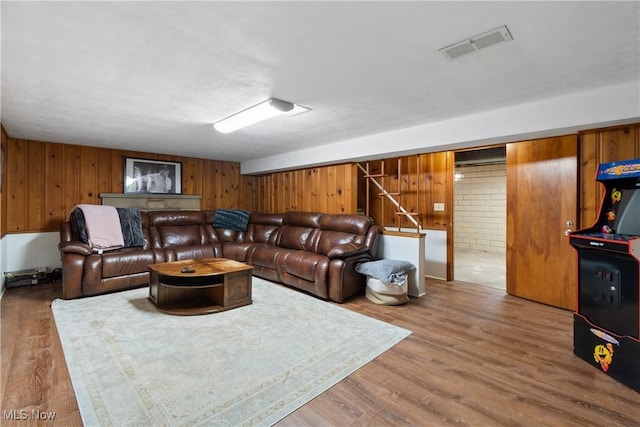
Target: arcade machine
[{"x": 606, "y": 323}]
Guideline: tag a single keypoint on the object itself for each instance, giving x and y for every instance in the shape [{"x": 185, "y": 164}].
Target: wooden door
[
  {"x": 541, "y": 199},
  {"x": 602, "y": 146}
]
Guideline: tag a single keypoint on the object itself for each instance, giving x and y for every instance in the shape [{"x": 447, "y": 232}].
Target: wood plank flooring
[{"x": 476, "y": 357}]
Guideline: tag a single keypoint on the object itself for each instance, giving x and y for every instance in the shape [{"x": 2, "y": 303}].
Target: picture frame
[{"x": 146, "y": 176}]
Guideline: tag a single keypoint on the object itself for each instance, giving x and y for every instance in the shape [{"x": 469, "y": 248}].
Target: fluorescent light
[
  {"x": 265, "y": 110},
  {"x": 297, "y": 109}
]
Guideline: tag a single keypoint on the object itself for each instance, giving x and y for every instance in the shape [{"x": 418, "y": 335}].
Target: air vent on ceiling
[{"x": 474, "y": 44}]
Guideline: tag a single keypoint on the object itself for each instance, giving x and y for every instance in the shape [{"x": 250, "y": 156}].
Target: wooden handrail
[{"x": 383, "y": 192}]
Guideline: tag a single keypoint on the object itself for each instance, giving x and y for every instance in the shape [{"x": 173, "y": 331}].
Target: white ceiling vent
[{"x": 474, "y": 44}]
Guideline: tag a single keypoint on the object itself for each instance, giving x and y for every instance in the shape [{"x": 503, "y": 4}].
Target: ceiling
[{"x": 154, "y": 76}]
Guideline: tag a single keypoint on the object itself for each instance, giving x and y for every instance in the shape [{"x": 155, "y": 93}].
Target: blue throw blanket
[
  {"x": 386, "y": 270},
  {"x": 231, "y": 219}
]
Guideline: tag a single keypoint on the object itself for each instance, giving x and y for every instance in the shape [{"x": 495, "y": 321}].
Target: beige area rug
[{"x": 132, "y": 365}]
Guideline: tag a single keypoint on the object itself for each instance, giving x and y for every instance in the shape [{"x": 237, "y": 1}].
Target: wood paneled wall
[
  {"x": 3, "y": 178},
  {"x": 327, "y": 189},
  {"x": 421, "y": 181},
  {"x": 45, "y": 180},
  {"x": 602, "y": 146}
]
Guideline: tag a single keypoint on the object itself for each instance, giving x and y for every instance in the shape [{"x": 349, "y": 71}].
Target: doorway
[{"x": 480, "y": 207}]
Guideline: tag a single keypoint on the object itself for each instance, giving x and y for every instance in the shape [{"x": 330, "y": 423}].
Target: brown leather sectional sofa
[{"x": 316, "y": 253}]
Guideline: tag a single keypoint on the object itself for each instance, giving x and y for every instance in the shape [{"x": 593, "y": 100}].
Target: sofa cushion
[
  {"x": 261, "y": 233},
  {"x": 297, "y": 229},
  {"x": 223, "y": 235},
  {"x": 126, "y": 261},
  {"x": 356, "y": 224},
  {"x": 265, "y": 256},
  {"x": 344, "y": 231},
  {"x": 169, "y": 229},
  {"x": 165, "y": 218},
  {"x": 237, "y": 251},
  {"x": 328, "y": 240},
  {"x": 305, "y": 265},
  {"x": 302, "y": 219},
  {"x": 294, "y": 237},
  {"x": 266, "y": 218},
  {"x": 262, "y": 228},
  {"x": 181, "y": 235},
  {"x": 190, "y": 252}
]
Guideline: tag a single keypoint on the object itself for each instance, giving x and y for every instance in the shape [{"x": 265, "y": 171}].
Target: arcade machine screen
[{"x": 627, "y": 221}]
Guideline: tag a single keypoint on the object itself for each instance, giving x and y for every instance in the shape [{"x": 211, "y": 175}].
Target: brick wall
[{"x": 480, "y": 208}]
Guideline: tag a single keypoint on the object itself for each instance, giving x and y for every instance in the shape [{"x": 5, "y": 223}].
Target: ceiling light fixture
[
  {"x": 297, "y": 109},
  {"x": 263, "y": 111},
  {"x": 474, "y": 44}
]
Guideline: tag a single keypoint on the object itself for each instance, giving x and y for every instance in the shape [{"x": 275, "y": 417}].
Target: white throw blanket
[{"x": 103, "y": 227}]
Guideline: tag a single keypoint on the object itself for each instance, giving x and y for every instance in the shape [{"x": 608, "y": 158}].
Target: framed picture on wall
[{"x": 152, "y": 176}]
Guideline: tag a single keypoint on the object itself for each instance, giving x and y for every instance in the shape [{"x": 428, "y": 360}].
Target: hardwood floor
[{"x": 476, "y": 357}]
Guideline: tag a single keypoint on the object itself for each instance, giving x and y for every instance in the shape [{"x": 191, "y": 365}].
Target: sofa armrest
[
  {"x": 74, "y": 247},
  {"x": 346, "y": 250}
]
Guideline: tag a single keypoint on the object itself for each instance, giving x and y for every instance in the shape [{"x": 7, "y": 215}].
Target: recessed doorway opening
[{"x": 480, "y": 217}]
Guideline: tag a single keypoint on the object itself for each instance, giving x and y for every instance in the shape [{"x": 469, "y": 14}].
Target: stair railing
[{"x": 400, "y": 210}]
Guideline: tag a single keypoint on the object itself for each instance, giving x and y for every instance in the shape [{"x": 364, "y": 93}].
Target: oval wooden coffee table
[{"x": 200, "y": 286}]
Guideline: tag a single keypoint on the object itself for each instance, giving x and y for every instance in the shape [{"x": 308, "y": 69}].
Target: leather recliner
[{"x": 313, "y": 252}]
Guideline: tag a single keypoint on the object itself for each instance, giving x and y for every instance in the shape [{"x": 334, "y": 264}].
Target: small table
[{"x": 200, "y": 286}]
